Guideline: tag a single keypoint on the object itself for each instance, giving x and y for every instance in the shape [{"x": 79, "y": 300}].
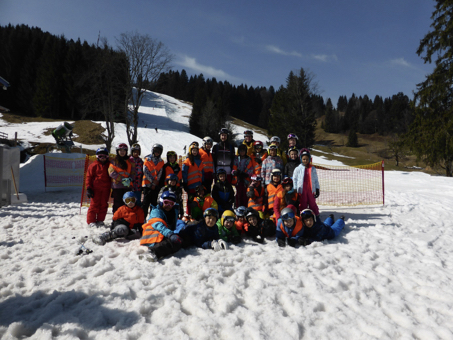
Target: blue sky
[{"x": 355, "y": 46}]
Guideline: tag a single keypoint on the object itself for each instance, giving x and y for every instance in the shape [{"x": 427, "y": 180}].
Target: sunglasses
[
  {"x": 168, "y": 203},
  {"x": 102, "y": 156},
  {"x": 129, "y": 200},
  {"x": 229, "y": 219},
  {"x": 288, "y": 216}
]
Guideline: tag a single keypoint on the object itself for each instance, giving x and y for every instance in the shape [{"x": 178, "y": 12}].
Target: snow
[{"x": 387, "y": 276}]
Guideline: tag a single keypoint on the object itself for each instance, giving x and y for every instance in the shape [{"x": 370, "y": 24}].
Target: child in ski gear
[
  {"x": 171, "y": 184},
  {"x": 208, "y": 165},
  {"x": 152, "y": 173},
  {"x": 292, "y": 143},
  {"x": 275, "y": 140},
  {"x": 258, "y": 156},
  {"x": 293, "y": 162},
  {"x": 254, "y": 228},
  {"x": 205, "y": 234},
  {"x": 98, "y": 184},
  {"x": 222, "y": 192},
  {"x": 289, "y": 228},
  {"x": 171, "y": 167},
  {"x": 287, "y": 197},
  {"x": 201, "y": 202},
  {"x": 159, "y": 233},
  {"x": 223, "y": 154},
  {"x": 127, "y": 221},
  {"x": 137, "y": 164},
  {"x": 255, "y": 194},
  {"x": 242, "y": 171},
  {"x": 240, "y": 213},
  {"x": 306, "y": 182},
  {"x": 248, "y": 142},
  {"x": 122, "y": 173},
  {"x": 192, "y": 173},
  {"x": 271, "y": 191},
  {"x": 270, "y": 163},
  {"x": 227, "y": 230},
  {"x": 317, "y": 231}
]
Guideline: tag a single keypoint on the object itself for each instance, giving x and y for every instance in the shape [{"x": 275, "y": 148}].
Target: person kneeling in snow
[
  {"x": 159, "y": 232},
  {"x": 315, "y": 230},
  {"x": 289, "y": 228},
  {"x": 205, "y": 234},
  {"x": 127, "y": 221},
  {"x": 227, "y": 229}
]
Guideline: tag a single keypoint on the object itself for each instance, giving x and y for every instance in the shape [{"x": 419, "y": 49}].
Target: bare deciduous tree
[{"x": 147, "y": 59}]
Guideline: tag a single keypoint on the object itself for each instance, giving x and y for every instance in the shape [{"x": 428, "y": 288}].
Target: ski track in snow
[{"x": 387, "y": 276}]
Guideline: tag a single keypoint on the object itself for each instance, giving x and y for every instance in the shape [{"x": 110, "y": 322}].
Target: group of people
[{"x": 254, "y": 193}]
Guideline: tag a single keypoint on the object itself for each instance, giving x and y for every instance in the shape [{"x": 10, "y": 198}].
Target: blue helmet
[
  {"x": 211, "y": 212},
  {"x": 287, "y": 214},
  {"x": 102, "y": 151},
  {"x": 167, "y": 195},
  {"x": 128, "y": 194},
  {"x": 240, "y": 211},
  {"x": 171, "y": 177}
]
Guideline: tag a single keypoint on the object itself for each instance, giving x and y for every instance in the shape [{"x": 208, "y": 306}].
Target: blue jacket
[
  {"x": 201, "y": 234},
  {"x": 159, "y": 226},
  {"x": 320, "y": 230}
]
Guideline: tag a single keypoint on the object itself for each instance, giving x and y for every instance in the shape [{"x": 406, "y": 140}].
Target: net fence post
[{"x": 383, "y": 188}]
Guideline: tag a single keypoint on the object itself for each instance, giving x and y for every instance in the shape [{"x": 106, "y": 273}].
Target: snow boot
[{"x": 104, "y": 238}]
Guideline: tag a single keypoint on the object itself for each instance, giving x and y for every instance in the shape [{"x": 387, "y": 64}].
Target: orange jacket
[
  {"x": 206, "y": 160},
  {"x": 271, "y": 193},
  {"x": 280, "y": 203},
  {"x": 152, "y": 170},
  {"x": 257, "y": 201},
  {"x": 151, "y": 236},
  {"x": 257, "y": 160},
  {"x": 296, "y": 229},
  {"x": 133, "y": 215}
]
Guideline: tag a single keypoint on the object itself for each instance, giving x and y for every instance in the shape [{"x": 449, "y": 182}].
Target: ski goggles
[
  {"x": 288, "y": 216},
  {"x": 168, "y": 203},
  {"x": 229, "y": 219},
  {"x": 130, "y": 200},
  {"x": 101, "y": 156}
]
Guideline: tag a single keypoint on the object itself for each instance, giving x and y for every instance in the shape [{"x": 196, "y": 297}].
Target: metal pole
[{"x": 383, "y": 191}]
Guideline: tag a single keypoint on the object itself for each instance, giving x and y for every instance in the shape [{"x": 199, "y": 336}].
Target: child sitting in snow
[
  {"x": 127, "y": 221},
  {"x": 289, "y": 228},
  {"x": 201, "y": 202},
  {"x": 315, "y": 230},
  {"x": 205, "y": 234},
  {"x": 227, "y": 229}
]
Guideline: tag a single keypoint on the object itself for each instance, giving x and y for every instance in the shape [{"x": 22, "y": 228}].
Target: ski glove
[
  {"x": 292, "y": 242},
  {"x": 304, "y": 241},
  {"x": 317, "y": 193},
  {"x": 126, "y": 181},
  {"x": 219, "y": 245},
  {"x": 176, "y": 239},
  {"x": 281, "y": 242},
  {"x": 90, "y": 193}
]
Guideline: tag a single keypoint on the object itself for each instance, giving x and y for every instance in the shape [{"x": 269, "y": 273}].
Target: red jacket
[
  {"x": 98, "y": 176},
  {"x": 132, "y": 215}
]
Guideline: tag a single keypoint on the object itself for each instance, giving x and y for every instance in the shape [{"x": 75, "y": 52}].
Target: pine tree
[{"x": 431, "y": 134}]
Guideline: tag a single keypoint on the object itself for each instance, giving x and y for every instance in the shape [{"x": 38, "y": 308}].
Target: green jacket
[{"x": 226, "y": 234}]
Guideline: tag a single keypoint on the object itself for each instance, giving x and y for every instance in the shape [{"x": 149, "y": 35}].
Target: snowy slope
[{"x": 387, "y": 276}]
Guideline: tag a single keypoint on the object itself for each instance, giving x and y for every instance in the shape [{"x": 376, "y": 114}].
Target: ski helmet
[
  {"x": 248, "y": 133},
  {"x": 207, "y": 140},
  {"x": 121, "y": 146},
  {"x": 157, "y": 146},
  {"x": 171, "y": 153},
  {"x": 304, "y": 152},
  {"x": 240, "y": 211},
  {"x": 252, "y": 212},
  {"x": 273, "y": 147},
  {"x": 171, "y": 177},
  {"x": 228, "y": 215},
  {"x": 287, "y": 214},
  {"x": 224, "y": 131},
  {"x": 292, "y": 135},
  {"x": 102, "y": 151},
  {"x": 136, "y": 147},
  {"x": 258, "y": 144},
  {"x": 276, "y": 172},
  {"x": 199, "y": 188},
  {"x": 256, "y": 178},
  {"x": 275, "y": 139},
  {"x": 221, "y": 172},
  {"x": 211, "y": 212},
  {"x": 293, "y": 148},
  {"x": 167, "y": 195},
  {"x": 127, "y": 195},
  {"x": 287, "y": 181},
  {"x": 307, "y": 213}
]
